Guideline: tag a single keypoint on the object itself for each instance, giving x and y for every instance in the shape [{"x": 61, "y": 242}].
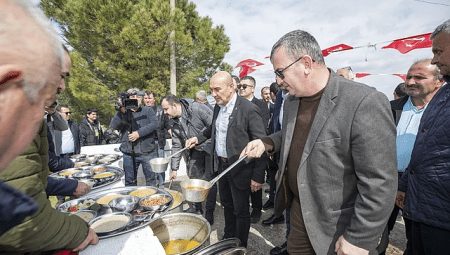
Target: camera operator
[{"x": 137, "y": 125}]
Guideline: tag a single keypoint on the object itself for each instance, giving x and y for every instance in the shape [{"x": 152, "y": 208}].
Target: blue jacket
[
  {"x": 14, "y": 207},
  {"x": 426, "y": 181}
]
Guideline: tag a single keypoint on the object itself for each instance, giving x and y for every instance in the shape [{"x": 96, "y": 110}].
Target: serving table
[{"x": 141, "y": 241}]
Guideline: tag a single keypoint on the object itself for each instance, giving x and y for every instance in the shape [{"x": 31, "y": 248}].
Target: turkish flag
[
  {"x": 360, "y": 75},
  {"x": 247, "y": 66},
  {"x": 408, "y": 44},
  {"x": 336, "y": 48},
  {"x": 403, "y": 76}
]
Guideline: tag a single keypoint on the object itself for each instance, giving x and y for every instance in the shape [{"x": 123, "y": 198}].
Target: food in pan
[
  {"x": 195, "y": 188},
  {"x": 179, "y": 246},
  {"x": 80, "y": 206},
  {"x": 98, "y": 169},
  {"x": 103, "y": 175},
  {"x": 68, "y": 172},
  {"x": 143, "y": 192},
  {"x": 155, "y": 201},
  {"x": 107, "y": 198},
  {"x": 110, "y": 223},
  {"x": 86, "y": 215}
]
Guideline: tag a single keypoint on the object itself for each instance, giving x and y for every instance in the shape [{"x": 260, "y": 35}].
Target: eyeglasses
[
  {"x": 280, "y": 74},
  {"x": 243, "y": 86}
]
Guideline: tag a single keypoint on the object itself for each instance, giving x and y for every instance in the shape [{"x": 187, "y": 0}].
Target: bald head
[{"x": 221, "y": 86}]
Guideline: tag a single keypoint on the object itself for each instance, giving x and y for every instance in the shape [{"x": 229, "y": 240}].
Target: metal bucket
[
  {"x": 195, "y": 190},
  {"x": 159, "y": 165},
  {"x": 182, "y": 226}
]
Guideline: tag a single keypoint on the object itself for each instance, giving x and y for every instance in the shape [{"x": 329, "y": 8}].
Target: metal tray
[
  {"x": 118, "y": 174},
  {"x": 102, "y": 209},
  {"x": 94, "y": 159}
]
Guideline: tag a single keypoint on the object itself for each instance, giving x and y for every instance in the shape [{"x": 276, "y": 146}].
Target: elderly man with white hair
[{"x": 30, "y": 74}]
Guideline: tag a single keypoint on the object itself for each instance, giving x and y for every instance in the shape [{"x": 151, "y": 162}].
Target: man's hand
[
  {"x": 343, "y": 247},
  {"x": 91, "y": 238},
  {"x": 191, "y": 142},
  {"x": 400, "y": 199},
  {"x": 254, "y": 149},
  {"x": 255, "y": 186},
  {"x": 173, "y": 175},
  {"x": 133, "y": 136},
  {"x": 82, "y": 189}
]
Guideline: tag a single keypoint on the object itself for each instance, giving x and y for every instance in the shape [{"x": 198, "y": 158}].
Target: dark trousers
[
  {"x": 236, "y": 207},
  {"x": 256, "y": 198},
  {"x": 428, "y": 240},
  {"x": 198, "y": 169}
]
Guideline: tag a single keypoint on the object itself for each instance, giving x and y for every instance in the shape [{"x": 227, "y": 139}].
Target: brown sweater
[{"x": 307, "y": 109}]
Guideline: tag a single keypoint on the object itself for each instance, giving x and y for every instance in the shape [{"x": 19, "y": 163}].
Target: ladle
[{"x": 196, "y": 190}]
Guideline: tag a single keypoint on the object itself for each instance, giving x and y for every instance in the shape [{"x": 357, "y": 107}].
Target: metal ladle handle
[
  {"x": 178, "y": 152},
  {"x": 213, "y": 181}
]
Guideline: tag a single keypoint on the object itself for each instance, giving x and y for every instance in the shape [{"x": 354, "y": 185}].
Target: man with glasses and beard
[{"x": 337, "y": 153}]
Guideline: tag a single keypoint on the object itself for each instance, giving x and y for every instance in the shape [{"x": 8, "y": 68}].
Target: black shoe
[
  {"x": 255, "y": 216},
  {"x": 267, "y": 205},
  {"x": 209, "y": 216},
  {"x": 273, "y": 220},
  {"x": 279, "y": 250}
]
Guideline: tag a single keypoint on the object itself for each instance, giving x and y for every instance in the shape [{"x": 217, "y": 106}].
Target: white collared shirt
[
  {"x": 67, "y": 142},
  {"x": 222, "y": 127}
]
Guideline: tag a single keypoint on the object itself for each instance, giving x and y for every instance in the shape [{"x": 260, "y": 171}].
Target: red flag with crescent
[
  {"x": 247, "y": 66},
  {"x": 408, "y": 44},
  {"x": 336, "y": 48}
]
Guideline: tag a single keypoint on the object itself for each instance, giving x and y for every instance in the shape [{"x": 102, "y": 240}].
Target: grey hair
[
  {"x": 436, "y": 72},
  {"x": 444, "y": 27},
  {"x": 298, "y": 43},
  {"x": 201, "y": 95},
  {"x": 38, "y": 16}
]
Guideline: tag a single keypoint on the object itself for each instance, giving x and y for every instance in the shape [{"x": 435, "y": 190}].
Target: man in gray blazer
[{"x": 337, "y": 153}]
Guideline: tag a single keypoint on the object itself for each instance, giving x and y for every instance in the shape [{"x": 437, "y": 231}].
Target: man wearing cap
[{"x": 137, "y": 126}]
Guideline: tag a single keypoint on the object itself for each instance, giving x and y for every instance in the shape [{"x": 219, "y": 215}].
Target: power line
[{"x": 428, "y": 2}]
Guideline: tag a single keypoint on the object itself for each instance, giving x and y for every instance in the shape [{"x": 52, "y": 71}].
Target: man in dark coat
[
  {"x": 236, "y": 121},
  {"x": 91, "y": 132},
  {"x": 246, "y": 89},
  {"x": 424, "y": 187}
]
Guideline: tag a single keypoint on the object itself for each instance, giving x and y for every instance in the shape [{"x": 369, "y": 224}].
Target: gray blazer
[{"x": 347, "y": 174}]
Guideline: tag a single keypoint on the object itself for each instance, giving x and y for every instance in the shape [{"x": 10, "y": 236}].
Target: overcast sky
[{"x": 253, "y": 26}]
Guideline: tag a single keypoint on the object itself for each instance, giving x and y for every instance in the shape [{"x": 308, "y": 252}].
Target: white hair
[{"x": 37, "y": 15}]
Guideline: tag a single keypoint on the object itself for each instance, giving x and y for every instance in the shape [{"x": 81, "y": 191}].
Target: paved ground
[{"x": 262, "y": 238}]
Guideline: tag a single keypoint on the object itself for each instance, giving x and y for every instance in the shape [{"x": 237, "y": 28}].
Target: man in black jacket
[
  {"x": 246, "y": 89},
  {"x": 236, "y": 121},
  {"x": 189, "y": 119},
  {"x": 91, "y": 132}
]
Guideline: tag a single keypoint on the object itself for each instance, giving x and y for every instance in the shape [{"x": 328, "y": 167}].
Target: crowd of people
[{"x": 340, "y": 159}]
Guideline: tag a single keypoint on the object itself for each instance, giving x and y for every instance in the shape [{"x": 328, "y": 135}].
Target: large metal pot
[
  {"x": 221, "y": 246},
  {"x": 159, "y": 165},
  {"x": 182, "y": 226}
]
